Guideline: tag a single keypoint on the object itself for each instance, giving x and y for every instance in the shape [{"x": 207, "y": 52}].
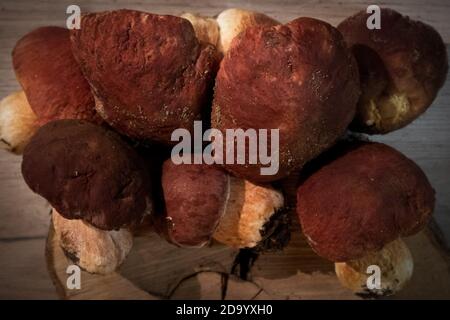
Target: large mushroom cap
[
  {"x": 149, "y": 72},
  {"x": 367, "y": 196},
  {"x": 87, "y": 172},
  {"x": 51, "y": 78},
  {"x": 195, "y": 197},
  {"x": 402, "y": 65},
  {"x": 298, "y": 78}
]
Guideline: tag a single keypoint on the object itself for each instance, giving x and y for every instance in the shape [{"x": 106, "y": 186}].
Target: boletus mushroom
[{"x": 355, "y": 208}]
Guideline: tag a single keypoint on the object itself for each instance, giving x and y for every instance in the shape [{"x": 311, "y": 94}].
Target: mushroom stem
[
  {"x": 206, "y": 29},
  {"x": 247, "y": 210},
  {"x": 233, "y": 21},
  {"x": 94, "y": 250},
  {"x": 395, "y": 265},
  {"x": 17, "y": 122}
]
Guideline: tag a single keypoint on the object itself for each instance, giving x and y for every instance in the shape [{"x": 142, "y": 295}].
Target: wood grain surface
[{"x": 24, "y": 216}]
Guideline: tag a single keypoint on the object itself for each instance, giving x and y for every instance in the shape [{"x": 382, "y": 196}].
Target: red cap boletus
[
  {"x": 87, "y": 172},
  {"x": 366, "y": 196},
  {"x": 51, "y": 78},
  {"x": 402, "y": 66},
  {"x": 204, "y": 202},
  {"x": 149, "y": 73},
  {"x": 299, "y": 78}
]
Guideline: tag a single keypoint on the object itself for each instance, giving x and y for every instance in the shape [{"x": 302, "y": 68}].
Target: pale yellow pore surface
[
  {"x": 206, "y": 29},
  {"x": 97, "y": 251},
  {"x": 396, "y": 267},
  {"x": 17, "y": 122},
  {"x": 248, "y": 208},
  {"x": 386, "y": 113}
]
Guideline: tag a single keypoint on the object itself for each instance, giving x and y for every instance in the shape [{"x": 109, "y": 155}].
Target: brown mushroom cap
[
  {"x": 367, "y": 196},
  {"x": 87, "y": 172},
  {"x": 402, "y": 67},
  {"x": 298, "y": 78},
  {"x": 149, "y": 72},
  {"x": 51, "y": 78},
  {"x": 195, "y": 197}
]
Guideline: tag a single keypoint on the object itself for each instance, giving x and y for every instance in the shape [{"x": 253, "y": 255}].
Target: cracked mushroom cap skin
[
  {"x": 149, "y": 72},
  {"x": 402, "y": 66},
  {"x": 195, "y": 197},
  {"x": 368, "y": 195},
  {"x": 299, "y": 78},
  {"x": 51, "y": 78},
  {"x": 87, "y": 172}
]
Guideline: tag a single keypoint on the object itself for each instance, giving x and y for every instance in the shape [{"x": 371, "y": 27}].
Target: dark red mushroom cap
[
  {"x": 368, "y": 195},
  {"x": 299, "y": 78},
  {"x": 195, "y": 197},
  {"x": 87, "y": 172},
  {"x": 51, "y": 78},
  {"x": 402, "y": 66},
  {"x": 149, "y": 72}
]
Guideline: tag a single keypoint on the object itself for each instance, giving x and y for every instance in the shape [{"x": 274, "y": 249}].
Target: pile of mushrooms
[{"x": 99, "y": 104}]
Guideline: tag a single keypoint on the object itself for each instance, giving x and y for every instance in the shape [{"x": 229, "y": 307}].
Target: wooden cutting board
[{"x": 155, "y": 269}]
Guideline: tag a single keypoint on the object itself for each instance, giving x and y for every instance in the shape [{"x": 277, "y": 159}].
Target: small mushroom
[
  {"x": 356, "y": 206},
  {"x": 204, "y": 202},
  {"x": 94, "y": 250}
]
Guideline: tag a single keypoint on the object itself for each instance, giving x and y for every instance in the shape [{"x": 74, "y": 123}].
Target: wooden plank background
[{"x": 24, "y": 216}]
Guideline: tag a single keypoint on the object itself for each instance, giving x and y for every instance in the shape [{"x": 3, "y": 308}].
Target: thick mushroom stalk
[
  {"x": 248, "y": 210},
  {"x": 233, "y": 21},
  {"x": 17, "y": 122},
  {"x": 228, "y": 25},
  {"x": 94, "y": 250},
  {"x": 395, "y": 264},
  {"x": 206, "y": 28}
]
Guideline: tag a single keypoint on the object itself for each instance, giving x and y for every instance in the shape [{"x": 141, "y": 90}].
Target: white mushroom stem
[
  {"x": 94, "y": 250},
  {"x": 246, "y": 211},
  {"x": 206, "y": 29},
  {"x": 228, "y": 24},
  {"x": 234, "y": 21},
  {"x": 17, "y": 122},
  {"x": 393, "y": 264}
]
